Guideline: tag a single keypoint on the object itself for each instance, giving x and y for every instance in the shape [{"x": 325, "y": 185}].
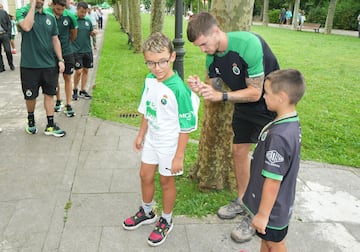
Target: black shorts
[
  {"x": 273, "y": 235},
  {"x": 34, "y": 78},
  {"x": 248, "y": 125},
  {"x": 84, "y": 60},
  {"x": 69, "y": 64}
]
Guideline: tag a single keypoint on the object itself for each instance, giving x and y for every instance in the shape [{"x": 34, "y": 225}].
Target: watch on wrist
[
  {"x": 62, "y": 60},
  {"x": 225, "y": 96}
]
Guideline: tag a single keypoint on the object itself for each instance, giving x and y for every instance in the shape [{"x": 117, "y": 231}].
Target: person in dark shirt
[
  {"x": 5, "y": 35},
  {"x": 241, "y": 59},
  {"x": 270, "y": 195}
]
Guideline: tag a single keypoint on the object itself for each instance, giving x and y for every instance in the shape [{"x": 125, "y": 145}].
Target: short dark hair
[
  {"x": 200, "y": 24},
  {"x": 290, "y": 81},
  {"x": 59, "y": 2},
  {"x": 83, "y": 5}
]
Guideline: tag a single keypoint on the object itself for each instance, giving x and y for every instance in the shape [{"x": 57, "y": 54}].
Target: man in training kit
[
  {"x": 241, "y": 59},
  {"x": 83, "y": 52},
  {"x": 41, "y": 61},
  {"x": 67, "y": 25}
]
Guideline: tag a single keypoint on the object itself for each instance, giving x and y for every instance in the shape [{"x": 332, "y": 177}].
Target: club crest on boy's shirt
[
  {"x": 273, "y": 157},
  {"x": 164, "y": 99}
]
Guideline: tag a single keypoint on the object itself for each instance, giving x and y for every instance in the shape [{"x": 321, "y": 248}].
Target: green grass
[{"x": 329, "y": 111}]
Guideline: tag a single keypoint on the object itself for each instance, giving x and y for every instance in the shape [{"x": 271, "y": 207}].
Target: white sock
[
  {"x": 167, "y": 217},
  {"x": 147, "y": 207}
]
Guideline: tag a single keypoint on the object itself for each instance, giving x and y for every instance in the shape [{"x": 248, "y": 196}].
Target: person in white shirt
[{"x": 100, "y": 17}]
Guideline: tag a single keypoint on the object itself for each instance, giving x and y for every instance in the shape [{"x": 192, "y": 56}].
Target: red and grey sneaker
[
  {"x": 160, "y": 232},
  {"x": 139, "y": 219}
]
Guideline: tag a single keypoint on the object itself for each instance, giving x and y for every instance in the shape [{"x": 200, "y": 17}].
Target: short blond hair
[{"x": 157, "y": 42}]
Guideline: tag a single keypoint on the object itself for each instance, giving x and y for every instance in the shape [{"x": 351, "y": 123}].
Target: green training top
[
  {"x": 37, "y": 50},
  {"x": 65, "y": 23},
  {"x": 82, "y": 43}
]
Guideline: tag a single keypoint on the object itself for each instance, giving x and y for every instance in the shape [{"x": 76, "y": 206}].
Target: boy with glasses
[{"x": 169, "y": 111}]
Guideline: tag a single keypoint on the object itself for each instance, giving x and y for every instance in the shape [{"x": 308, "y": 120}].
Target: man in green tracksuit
[
  {"x": 83, "y": 51},
  {"x": 41, "y": 61},
  {"x": 67, "y": 26}
]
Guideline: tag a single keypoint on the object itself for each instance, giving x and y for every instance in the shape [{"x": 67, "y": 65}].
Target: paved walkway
[
  {"x": 321, "y": 30},
  {"x": 71, "y": 194}
]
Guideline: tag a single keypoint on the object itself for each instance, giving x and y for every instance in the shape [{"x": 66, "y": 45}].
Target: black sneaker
[
  {"x": 31, "y": 128},
  {"x": 69, "y": 112},
  {"x": 75, "y": 95},
  {"x": 139, "y": 219},
  {"x": 58, "y": 106},
  {"x": 160, "y": 232},
  {"x": 83, "y": 94},
  {"x": 54, "y": 131}
]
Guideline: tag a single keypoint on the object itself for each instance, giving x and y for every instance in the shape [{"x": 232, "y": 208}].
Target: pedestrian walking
[
  {"x": 14, "y": 32},
  {"x": 40, "y": 63},
  {"x": 83, "y": 52},
  {"x": 5, "y": 35},
  {"x": 67, "y": 25}
]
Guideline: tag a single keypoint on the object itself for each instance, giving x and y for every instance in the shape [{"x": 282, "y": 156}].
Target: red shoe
[
  {"x": 139, "y": 219},
  {"x": 160, "y": 232}
]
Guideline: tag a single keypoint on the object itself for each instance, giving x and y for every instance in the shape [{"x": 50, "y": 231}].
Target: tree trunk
[
  {"x": 125, "y": 14},
  {"x": 233, "y": 15},
  {"x": 135, "y": 24},
  {"x": 266, "y": 13},
  {"x": 131, "y": 15},
  {"x": 117, "y": 12},
  {"x": 295, "y": 14},
  {"x": 157, "y": 16},
  {"x": 213, "y": 168},
  {"x": 330, "y": 17}
]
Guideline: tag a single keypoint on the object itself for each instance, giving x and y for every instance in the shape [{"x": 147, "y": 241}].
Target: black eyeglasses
[{"x": 161, "y": 63}]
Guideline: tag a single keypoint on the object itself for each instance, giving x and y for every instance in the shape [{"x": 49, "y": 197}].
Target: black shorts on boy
[{"x": 273, "y": 235}]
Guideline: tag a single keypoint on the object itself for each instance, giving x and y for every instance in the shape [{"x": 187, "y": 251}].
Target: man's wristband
[
  {"x": 62, "y": 60},
  {"x": 225, "y": 96}
]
